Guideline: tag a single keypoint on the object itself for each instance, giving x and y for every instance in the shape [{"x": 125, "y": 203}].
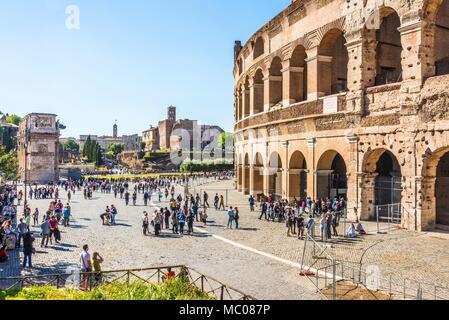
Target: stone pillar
[
  {"x": 319, "y": 74},
  {"x": 251, "y": 181},
  {"x": 292, "y": 84},
  {"x": 246, "y": 103},
  {"x": 246, "y": 179},
  {"x": 361, "y": 45},
  {"x": 285, "y": 171},
  {"x": 426, "y": 208},
  {"x": 239, "y": 178},
  {"x": 352, "y": 176},
  {"x": 311, "y": 177},
  {"x": 266, "y": 181},
  {"x": 367, "y": 199}
]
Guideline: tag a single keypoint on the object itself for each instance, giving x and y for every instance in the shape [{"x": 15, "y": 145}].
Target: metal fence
[
  {"x": 336, "y": 279},
  {"x": 388, "y": 217},
  {"x": 156, "y": 275}
]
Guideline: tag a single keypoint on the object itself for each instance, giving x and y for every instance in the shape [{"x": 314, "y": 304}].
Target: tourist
[
  {"x": 22, "y": 229},
  {"x": 236, "y": 217},
  {"x": 55, "y": 229},
  {"x": 230, "y": 217},
  {"x": 190, "y": 220},
  {"x": 251, "y": 203},
  {"x": 3, "y": 254},
  {"x": 311, "y": 226},
  {"x": 97, "y": 260},
  {"x": 182, "y": 221},
  {"x": 216, "y": 201},
  {"x": 28, "y": 249},
  {"x": 205, "y": 199},
  {"x": 300, "y": 225},
  {"x": 351, "y": 233},
  {"x": 113, "y": 214},
  {"x": 126, "y": 197},
  {"x": 263, "y": 210},
  {"x": 86, "y": 267},
  {"x": 167, "y": 218},
  {"x": 334, "y": 224},
  {"x": 157, "y": 223},
  {"x": 36, "y": 217},
  {"x": 221, "y": 203},
  {"x": 145, "y": 223},
  {"x": 145, "y": 198},
  {"x": 69, "y": 195},
  {"x": 46, "y": 233},
  {"x": 168, "y": 275},
  {"x": 359, "y": 228},
  {"x": 174, "y": 221},
  {"x": 134, "y": 198},
  {"x": 66, "y": 213}
]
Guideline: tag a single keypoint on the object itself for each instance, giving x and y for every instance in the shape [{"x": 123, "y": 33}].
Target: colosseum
[{"x": 349, "y": 98}]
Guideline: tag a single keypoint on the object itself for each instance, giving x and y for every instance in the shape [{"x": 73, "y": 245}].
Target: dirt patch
[{"x": 350, "y": 291}]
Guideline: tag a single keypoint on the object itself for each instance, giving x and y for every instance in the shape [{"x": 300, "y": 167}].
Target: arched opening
[
  {"x": 258, "y": 173},
  {"x": 382, "y": 187},
  {"x": 275, "y": 83},
  {"x": 258, "y": 48},
  {"x": 442, "y": 39},
  {"x": 389, "y": 48},
  {"x": 297, "y": 176},
  {"x": 333, "y": 63},
  {"x": 246, "y": 98},
  {"x": 275, "y": 176},
  {"x": 298, "y": 74},
  {"x": 258, "y": 92},
  {"x": 441, "y": 191},
  {"x": 246, "y": 168},
  {"x": 388, "y": 188},
  {"x": 332, "y": 178}
]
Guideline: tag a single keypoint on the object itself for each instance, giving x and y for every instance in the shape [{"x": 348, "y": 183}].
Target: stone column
[
  {"x": 242, "y": 102},
  {"x": 285, "y": 171},
  {"x": 352, "y": 176},
  {"x": 319, "y": 74},
  {"x": 292, "y": 84},
  {"x": 367, "y": 199},
  {"x": 251, "y": 96},
  {"x": 239, "y": 178},
  {"x": 426, "y": 208},
  {"x": 361, "y": 45},
  {"x": 311, "y": 177}
]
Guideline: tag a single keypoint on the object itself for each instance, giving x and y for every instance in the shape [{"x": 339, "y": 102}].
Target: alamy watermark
[{"x": 73, "y": 20}]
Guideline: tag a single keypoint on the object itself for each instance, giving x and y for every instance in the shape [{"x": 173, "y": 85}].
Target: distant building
[
  {"x": 38, "y": 148},
  {"x": 171, "y": 134},
  {"x": 131, "y": 142}
]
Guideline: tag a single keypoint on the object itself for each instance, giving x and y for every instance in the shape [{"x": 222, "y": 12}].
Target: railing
[
  {"x": 388, "y": 216},
  {"x": 156, "y": 275},
  {"x": 335, "y": 279}
]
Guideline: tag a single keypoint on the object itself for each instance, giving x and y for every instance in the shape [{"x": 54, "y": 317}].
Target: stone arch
[
  {"x": 275, "y": 175},
  {"x": 435, "y": 198},
  {"x": 331, "y": 174},
  {"x": 258, "y": 92},
  {"x": 275, "y": 82},
  {"x": 441, "y": 39},
  {"x": 297, "y": 176},
  {"x": 298, "y": 74},
  {"x": 389, "y": 48},
  {"x": 381, "y": 184},
  {"x": 259, "y": 48},
  {"x": 258, "y": 174},
  {"x": 333, "y": 63}
]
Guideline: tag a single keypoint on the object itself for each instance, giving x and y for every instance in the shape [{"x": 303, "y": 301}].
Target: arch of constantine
[{"x": 348, "y": 98}]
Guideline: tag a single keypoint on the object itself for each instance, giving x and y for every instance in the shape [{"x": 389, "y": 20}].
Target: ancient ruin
[{"x": 348, "y": 98}]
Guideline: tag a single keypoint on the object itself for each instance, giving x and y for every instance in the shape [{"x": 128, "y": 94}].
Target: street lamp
[{"x": 26, "y": 146}]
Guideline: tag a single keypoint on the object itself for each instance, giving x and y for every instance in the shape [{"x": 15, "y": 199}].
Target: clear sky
[{"x": 128, "y": 61}]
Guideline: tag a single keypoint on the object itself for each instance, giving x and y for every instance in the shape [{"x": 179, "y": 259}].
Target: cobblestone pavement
[
  {"x": 422, "y": 257},
  {"x": 123, "y": 246}
]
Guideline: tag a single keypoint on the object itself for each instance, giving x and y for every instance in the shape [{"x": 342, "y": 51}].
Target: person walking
[
  {"x": 46, "y": 232},
  {"x": 54, "y": 229},
  {"x": 221, "y": 204},
  {"x": 66, "y": 215},
  {"x": 36, "y": 217},
  {"x": 251, "y": 201},
  {"x": 300, "y": 225},
  {"x": 127, "y": 198},
  {"x": 28, "y": 249},
  {"x": 134, "y": 198},
  {"x": 263, "y": 210},
  {"x": 22, "y": 229}
]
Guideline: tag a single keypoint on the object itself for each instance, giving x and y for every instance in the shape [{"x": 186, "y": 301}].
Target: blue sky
[{"x": 128, "y": 62}]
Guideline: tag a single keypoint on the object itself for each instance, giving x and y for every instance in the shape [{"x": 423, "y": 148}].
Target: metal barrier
[
  {"x": 333, "y": 277},
  {"x": 153, "y": 276},
  {"x": 388, "y": 216}
]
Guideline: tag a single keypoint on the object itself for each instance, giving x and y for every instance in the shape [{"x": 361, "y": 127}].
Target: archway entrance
[
  {"x": 297, "y": 176},
  {"x": 442, "y": 39},
  {"x": 332, "y": 178},
  {"x": 388, "y": 188},
  {"x": 275, "y": 176},
  {"x": 441, "y": 191}
]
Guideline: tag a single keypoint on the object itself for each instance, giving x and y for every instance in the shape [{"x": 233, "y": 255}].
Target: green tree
[
  {"x": 86, "y": 147},
  {"x": 71, "y": 146},
  {"x": 98, "y": 155},
  {"x": 14, "y": 119},
  {"x": 8, "y": 164},
  {"x": 116, "y": 148}
]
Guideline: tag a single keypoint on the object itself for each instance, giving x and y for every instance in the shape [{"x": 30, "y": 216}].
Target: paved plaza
[{"x": 259, "y": 259}]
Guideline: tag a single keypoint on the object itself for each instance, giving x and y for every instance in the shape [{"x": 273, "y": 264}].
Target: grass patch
[{"x": 176, "y": 289}]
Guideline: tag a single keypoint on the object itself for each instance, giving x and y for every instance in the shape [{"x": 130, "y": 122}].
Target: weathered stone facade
[
  {"x": 38, "y": 148},
  {"x": 348, "y": 97}
]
